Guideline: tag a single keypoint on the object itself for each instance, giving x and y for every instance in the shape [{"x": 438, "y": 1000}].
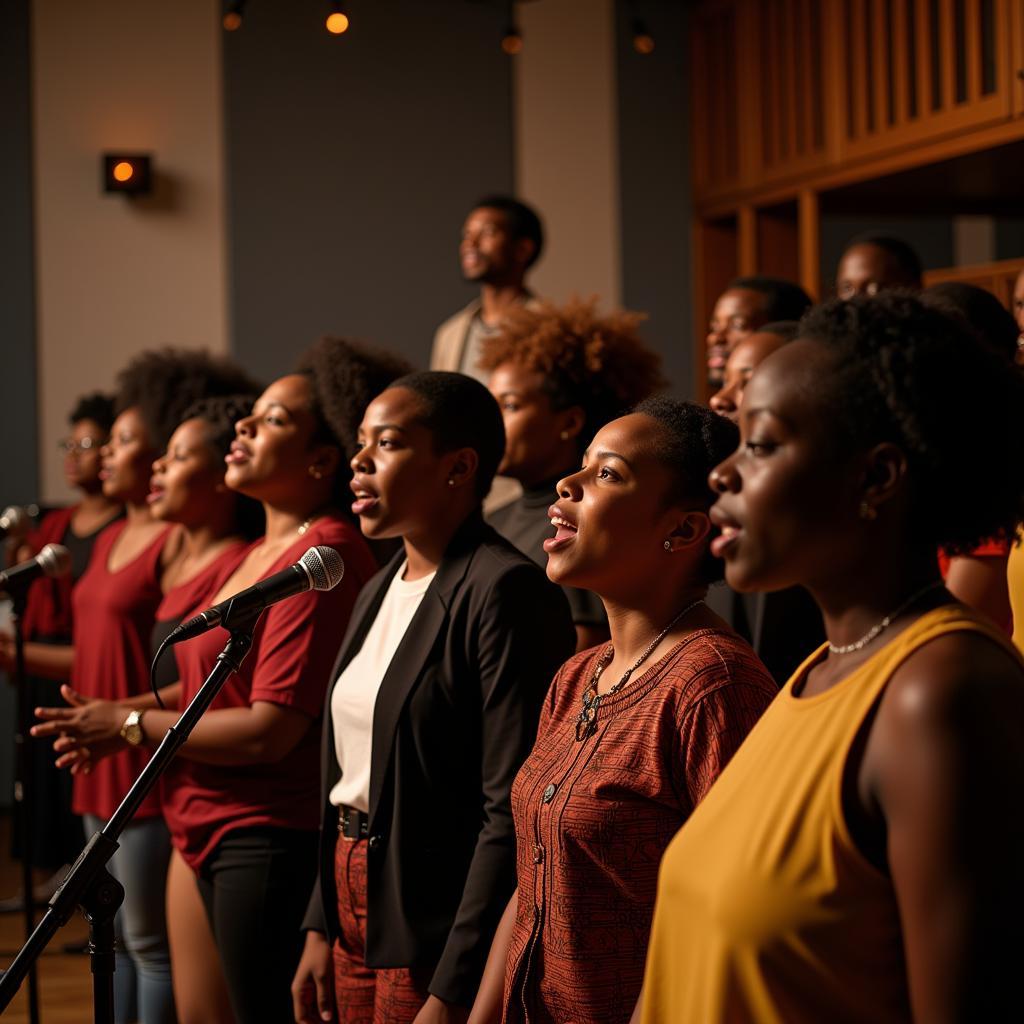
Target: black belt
[{"x": 353, "y": 824}]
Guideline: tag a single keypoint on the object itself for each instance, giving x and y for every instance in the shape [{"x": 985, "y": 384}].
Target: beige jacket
[{"x": 450, "y": 339}]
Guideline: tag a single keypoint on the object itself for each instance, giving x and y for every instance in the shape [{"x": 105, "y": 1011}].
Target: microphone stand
[
  {"x": 24, "y": 789},
  {"x": 88, "y": 883}
]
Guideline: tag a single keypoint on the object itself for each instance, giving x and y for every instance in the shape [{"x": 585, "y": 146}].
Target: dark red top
[
  {"x": 48, "y": 603},
  {"x": 113, "y": 618},
  {"x": 182, "y": 600},
  {"x": 593, "y": 819},
  {"x": 294, "y": 647},
  {"x": 994, "y": 547}
]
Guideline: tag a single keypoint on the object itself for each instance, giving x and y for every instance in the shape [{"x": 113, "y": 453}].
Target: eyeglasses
[{"x": 69, "y": 446}]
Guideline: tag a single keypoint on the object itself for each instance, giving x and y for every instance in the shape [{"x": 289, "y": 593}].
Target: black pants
[{"x": 255, "y": 887}]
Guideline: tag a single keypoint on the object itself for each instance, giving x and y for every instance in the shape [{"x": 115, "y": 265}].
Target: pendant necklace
[{"x": 586, "y": 722}]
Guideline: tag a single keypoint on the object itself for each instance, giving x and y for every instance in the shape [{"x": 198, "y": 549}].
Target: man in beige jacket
[{"x": 501, "y": 239}]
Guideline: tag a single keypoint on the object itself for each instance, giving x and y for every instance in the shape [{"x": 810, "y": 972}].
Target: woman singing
[
  {"x": 434, "y": 702},
  {"x": 241, "y": 800},
  {"x": 859, "y": 859},
  {"x": 633, "y": 733}
]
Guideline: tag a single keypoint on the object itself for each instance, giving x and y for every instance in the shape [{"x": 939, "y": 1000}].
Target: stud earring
[
  {"x": 451, "y": 482},
  {"x": 315, "y": 473},
  {"x": 867, "y": 512},
  {"x": 564, "y": 435},
  {"x": 668, "y": 545}
]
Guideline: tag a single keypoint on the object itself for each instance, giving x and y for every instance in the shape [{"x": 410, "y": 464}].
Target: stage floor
[{"x": 65, "y": 985}]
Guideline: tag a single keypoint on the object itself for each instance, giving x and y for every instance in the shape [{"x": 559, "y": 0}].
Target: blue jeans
[{"x": 142, "y": 979}]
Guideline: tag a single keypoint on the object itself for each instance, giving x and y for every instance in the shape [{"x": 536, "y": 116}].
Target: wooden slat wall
[{"x": 765, "y": 74}]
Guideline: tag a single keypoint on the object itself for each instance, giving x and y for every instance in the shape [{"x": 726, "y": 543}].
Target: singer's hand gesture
[{"x": 84, "y": 732}]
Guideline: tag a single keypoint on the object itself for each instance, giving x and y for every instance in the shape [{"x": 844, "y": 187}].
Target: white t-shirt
[{"x": 355, "y": 692}]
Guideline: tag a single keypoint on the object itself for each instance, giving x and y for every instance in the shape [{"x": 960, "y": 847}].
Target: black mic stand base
[{"x": 88, "y": 884}]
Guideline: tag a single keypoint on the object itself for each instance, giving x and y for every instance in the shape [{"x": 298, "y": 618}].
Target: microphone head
[
  {"x": 324, "y": 565},
  {"x": 14, "y": 521},
  {"x": 54, "y": 560}
]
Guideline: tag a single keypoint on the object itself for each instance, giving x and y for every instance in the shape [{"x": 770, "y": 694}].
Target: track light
[
  {"x": 337, "y": 22},
  {"x": 232, "y": 20},
  {"x": 643, "y": 41}
]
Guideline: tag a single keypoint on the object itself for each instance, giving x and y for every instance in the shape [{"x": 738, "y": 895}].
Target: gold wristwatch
[{"x": 131, "y": 731}]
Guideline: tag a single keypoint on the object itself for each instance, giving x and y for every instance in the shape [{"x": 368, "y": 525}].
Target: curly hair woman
[
  {"x": 560, "y": 374},
  {"x": 241, "y": 801},
  {"x": 859, "y": 858},
  {"x": 114, "y": 605}
]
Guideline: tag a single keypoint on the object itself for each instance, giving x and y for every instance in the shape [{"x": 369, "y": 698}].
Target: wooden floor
[{"x": 65, "y": 985}]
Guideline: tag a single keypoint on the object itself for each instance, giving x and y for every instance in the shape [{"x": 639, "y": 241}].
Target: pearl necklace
[
  {"x": 586, "y": 722},
  {"x": 879, "y": 627}
]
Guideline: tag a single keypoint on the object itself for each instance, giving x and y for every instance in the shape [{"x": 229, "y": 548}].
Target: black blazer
[{"x": 455, "y": 717}]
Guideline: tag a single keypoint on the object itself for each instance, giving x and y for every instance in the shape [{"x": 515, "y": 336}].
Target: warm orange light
[
  {"x": 643, "y": 43},
  {"x": 337, "y": 23},
  {"x": 512, "y": 43},
  {"x": 232, "y": 21},
  {"x": 123, "y": 171}
]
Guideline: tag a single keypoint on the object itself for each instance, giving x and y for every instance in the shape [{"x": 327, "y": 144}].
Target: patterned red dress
[{"x": 593, "y": 818}]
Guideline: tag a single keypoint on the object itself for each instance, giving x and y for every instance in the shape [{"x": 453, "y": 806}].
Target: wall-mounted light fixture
[{"x": 130, "y": 173}]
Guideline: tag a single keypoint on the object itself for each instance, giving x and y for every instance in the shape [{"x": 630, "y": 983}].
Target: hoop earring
[{"x": 667, "y": 545}]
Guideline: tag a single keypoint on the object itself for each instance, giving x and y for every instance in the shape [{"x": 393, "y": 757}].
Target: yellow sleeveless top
[
  {"x": 766, "y": 910},
  {"x": 1015, "y": 580}
]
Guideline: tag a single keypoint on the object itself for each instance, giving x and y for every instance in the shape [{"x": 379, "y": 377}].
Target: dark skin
[
  {"x": 612, "y": 520},
  {"x": 867, "y": 269},
  {"x": 93, "y": 512},
  {"x": 404, "y": 487},
  {"x": 541, "y": 443},
  {"x": 929, "y": 786},
  {"x": 489, "y": 255},
  {"x": 748, "y": 354},
  {"x": 1017, "y": 308},
  {"x": 737, "y": 314}
]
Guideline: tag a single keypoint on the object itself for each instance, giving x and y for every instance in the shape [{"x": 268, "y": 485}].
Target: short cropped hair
[
  {"x": 783, "y": 300},
  {"x": 694, "y": 441},
  {"x": 909, "y": 374},
  {"x": 902, "y": 253},
  {"x": 523, "y": 221},
  {"x": 461, "y": 413}
]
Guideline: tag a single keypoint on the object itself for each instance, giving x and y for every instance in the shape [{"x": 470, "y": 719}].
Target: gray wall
[
  {"x": 17, "y": 283},
  {"x": 654, "y": 175},
  {"x": 17, "y": 305},
  {"x": 352, "y": 162}
]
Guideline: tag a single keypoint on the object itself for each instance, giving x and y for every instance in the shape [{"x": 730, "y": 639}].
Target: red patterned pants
[{"x": 366, "y": 995}]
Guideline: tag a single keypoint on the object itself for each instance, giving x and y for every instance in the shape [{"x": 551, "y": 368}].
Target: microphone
[
  {"x": 320, "y": 568},
  {"x": 53, "y": 561},
  {"x": 14, "y": 522}
]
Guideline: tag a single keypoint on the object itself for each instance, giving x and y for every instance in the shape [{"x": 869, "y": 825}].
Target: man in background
[{"x": 502, "y": 239}]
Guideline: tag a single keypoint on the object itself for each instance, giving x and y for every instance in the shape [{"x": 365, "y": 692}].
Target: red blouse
[
  {"x": 48, "y": 602},
  {"x": 594, "y": 817},
  {"x": 294, "y": 647},
  {"x": 182, "y": 600},
  {"x": 113, "y": 618}
]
